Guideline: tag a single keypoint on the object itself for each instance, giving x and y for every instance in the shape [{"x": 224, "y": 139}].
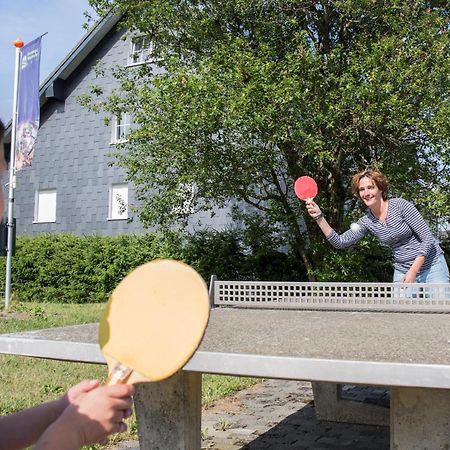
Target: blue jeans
[{"x": 437, "y": 273}]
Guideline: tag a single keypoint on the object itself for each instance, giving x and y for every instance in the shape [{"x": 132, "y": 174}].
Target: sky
[{"x": 63, "y": 21}]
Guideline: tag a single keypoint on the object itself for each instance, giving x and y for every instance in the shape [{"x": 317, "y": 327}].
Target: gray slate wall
[{"x": 72, "y": 156}]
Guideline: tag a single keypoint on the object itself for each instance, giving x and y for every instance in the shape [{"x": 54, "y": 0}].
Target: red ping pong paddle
[
  {"x": 305, "y": 188},
  {"x": 153, "y": 322}
]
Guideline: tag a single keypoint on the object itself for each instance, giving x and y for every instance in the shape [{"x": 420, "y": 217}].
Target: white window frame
[
  {"x": 121, "y": 127},
  {"x": 141, "y": 48},
  {"x": 45, "y": 206},
  {"x": 118, "y": 201}
]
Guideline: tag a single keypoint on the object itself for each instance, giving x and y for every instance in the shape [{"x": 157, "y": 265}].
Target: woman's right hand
[{"x": 313, "y": 209}]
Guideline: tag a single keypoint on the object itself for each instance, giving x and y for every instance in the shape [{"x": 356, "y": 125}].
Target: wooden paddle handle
[{"x": 119, "y": 374}]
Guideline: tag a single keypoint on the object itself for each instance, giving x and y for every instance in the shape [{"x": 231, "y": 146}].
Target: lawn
[{"x": 26, "y": 381}]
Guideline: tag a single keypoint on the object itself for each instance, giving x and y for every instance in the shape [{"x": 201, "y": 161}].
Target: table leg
[
  {"x": 420, "y": 418},
  {"x": 169, "y": 412},
  {"x": 331, "y": 406}
]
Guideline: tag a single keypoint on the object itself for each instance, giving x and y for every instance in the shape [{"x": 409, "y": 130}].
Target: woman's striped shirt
[{"x": 405, "y": 232}]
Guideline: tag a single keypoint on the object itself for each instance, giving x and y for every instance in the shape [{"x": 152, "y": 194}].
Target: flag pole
[{"x": 18, "y": 43}]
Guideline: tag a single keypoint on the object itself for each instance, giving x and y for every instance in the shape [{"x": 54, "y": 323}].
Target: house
[{"x": 71, "y": 186}]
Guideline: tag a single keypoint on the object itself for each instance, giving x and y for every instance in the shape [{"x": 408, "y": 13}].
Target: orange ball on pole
[{"x": 18, "y": 43}]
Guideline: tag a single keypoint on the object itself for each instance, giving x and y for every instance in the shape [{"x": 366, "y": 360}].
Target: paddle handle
[{"x": 119, "y": 374}]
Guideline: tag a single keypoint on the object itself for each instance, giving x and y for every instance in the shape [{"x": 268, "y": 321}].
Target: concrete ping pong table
[{"x": 369, "y": 334}]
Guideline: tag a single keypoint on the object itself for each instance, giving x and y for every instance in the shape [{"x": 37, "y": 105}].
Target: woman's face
[{"x": 369, "y": 192}]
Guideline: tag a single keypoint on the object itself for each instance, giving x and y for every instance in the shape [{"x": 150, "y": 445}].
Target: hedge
[
  {"x": 71, "y": 269},
  {"x": 79, "y": 269}
]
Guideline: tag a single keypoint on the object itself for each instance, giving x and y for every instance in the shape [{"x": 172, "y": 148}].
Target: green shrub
[
  {"x": 367, "y": 261},
  {"x": 235, "y": 255},
  {"x": 66, "y": 268},
  {"x": 71, "y": 269}
]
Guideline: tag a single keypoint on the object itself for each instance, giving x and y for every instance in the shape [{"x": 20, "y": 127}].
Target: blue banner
[{"x": 28, "y": 103}]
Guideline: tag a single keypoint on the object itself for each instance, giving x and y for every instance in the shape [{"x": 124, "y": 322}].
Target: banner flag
[{"x": 28, "y": 109}]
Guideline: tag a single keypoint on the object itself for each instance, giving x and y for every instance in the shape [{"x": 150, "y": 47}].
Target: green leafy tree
[{"x": 244, "y": 96}]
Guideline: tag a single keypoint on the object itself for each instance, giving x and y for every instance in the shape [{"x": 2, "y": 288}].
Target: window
[
  {"x": 45, "y": 206},
  {"x": 118, "y": 202},
  {"x": 141, "y": 50},
  {"x": 121, "y": 126}
]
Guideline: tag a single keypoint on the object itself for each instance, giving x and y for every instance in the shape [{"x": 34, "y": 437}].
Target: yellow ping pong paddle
[{"x": 153, "y": 322}]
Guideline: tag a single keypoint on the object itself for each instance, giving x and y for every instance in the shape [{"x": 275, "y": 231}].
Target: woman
[{"x": 418, "y": 258}]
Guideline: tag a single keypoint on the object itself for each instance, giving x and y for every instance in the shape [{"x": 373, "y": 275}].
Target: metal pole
[{"x": 12, "y": 177}]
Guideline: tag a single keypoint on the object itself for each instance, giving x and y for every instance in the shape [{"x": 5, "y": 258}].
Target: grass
[{"x": 25, "y": 382}]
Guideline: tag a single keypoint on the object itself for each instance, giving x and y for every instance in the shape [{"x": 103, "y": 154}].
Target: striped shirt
[{"x": 405, "y": 232}]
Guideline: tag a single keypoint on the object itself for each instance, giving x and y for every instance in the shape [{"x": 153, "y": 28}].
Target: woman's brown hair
[{"x": 378, "y": 178}]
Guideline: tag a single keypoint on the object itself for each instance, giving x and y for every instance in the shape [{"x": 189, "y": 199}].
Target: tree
[{"x": 244, "y": 96}]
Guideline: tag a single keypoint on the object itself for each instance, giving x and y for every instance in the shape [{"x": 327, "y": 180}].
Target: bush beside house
[{"x": 66, "y": 268}]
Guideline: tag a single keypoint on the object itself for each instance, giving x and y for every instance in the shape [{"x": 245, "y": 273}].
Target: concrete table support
[
  {"x": 420, "y": 418},
  {"x": 169, "y": 413},
  {"x": 331, "y": 406}
]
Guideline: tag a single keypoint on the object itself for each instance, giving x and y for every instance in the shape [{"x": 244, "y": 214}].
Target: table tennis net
[{"x": 333, "y": 296}]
